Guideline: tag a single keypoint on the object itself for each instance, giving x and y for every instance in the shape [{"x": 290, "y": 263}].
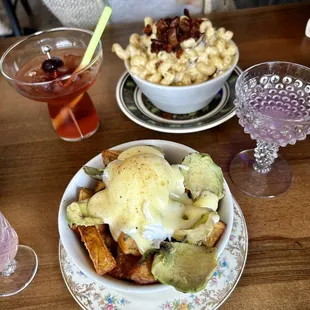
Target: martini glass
[
  {"x": 71, "y": 109},
  {"x": 273, "y": 105},
  {"x": 18, "y": 263}
]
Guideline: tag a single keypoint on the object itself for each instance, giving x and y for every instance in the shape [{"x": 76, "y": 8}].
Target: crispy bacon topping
[
  {"x": 157, "y": 46},
  {"x": 186, "y": 13},
  {"x": 173, "y": 31},
  {"x": 147, "y": 29},
  {"x": 172, "y": 37},
  {"x": 179, "y": 52}
]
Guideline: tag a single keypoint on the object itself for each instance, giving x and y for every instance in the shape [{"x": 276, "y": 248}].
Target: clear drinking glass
[
  {"x": 71, "y": 109},
  {"x": 18, "y": 263},
  {"x": 273, "y": 105}
]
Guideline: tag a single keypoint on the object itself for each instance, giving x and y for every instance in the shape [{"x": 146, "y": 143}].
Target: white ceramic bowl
[
  {"x": 174, "y": 153},
  {"x": 183, "y": 99}
]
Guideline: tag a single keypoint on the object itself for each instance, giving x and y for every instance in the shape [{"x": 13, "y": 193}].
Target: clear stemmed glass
[
  {"x": 18, "y": 263},
  {"x": 273, "y": 105},
  {"x": 71, "y": 109}
]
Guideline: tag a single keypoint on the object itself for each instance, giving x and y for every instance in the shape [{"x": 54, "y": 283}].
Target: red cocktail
[{"x": 42, "y": 67}]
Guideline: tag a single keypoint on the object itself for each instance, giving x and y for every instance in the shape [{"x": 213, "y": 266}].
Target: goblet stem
[
  {"x": 19, "y": 273},
  {"x": 265, "y": 154},
  {"x": 10, "y": 269}
]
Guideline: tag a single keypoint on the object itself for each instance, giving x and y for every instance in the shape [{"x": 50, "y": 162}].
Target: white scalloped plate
[{"x": 92, "y": 296}]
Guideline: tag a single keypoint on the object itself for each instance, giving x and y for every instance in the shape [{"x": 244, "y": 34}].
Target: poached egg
[{"x": 144, "y": 198}]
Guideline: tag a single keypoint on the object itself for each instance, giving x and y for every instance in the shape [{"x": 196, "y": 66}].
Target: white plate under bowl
[
  {"x": 174, "y": 153},
  {"x": 140, "y": 110}
]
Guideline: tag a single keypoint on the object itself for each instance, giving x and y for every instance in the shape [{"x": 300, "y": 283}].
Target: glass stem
[
  {"x": 9, "y": 269},
  {"x": 265, "y": 154}
]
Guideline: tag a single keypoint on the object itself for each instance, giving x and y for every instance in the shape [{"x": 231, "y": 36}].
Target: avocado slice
[
  {"x": 186, "y": 267},
  {"x": 203, "y": 174},
  {"x": 95, "y": 173},
  {"x": 207, "y": 199},
  {"x": 77, "y": 214},
  {"x": 202, "y": 220},
  {"x": 200, "y": 232}
]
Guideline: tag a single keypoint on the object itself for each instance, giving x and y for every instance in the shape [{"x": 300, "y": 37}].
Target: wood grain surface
[{"x": 36, "y": 167}]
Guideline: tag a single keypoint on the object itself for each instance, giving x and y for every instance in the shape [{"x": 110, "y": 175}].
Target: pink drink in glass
[
  {"x": 269, "y": 114},
  {"x": 18, "y": 263}
]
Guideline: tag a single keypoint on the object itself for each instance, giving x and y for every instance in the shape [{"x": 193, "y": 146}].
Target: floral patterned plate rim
[
  {"x": 141, "y": 111},
  {"x": 92, "y": 295}
]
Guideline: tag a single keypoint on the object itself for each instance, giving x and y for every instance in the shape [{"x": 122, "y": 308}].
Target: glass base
[
  {"x": 75, "y": 120},
  {"x": 26, "y": 263},
  {"x": 265, "y": 185},
  {"x": 82, "y": 137}
]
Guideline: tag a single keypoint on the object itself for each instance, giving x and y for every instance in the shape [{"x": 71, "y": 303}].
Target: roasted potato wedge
[
  {"x": 110, "y": 242},
  {"x": 85, "y": 193},
  {"x": 108, "y": 156},
  {"x": 217, "y": 232},
  {"x": 98, "y": 251},
  {"x": 141, "y": 272},
  {"x": 75, "y": 229},
  {"x": 128, "y": 245},
  {"x": 102, "y": 228},
  {"x": 123, "y": 264},
  {"x": 99, "y": 186}
]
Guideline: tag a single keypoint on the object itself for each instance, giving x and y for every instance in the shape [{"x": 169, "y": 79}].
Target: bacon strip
[{"x": 171, "y": 32}]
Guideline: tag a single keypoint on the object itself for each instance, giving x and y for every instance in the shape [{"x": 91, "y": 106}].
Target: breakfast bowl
[
  {"x": 183, "y": 99},
  {"x": 174, "y": 154}
]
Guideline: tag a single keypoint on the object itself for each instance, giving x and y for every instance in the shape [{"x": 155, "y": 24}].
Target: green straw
[{"x": 103, "y": 20}]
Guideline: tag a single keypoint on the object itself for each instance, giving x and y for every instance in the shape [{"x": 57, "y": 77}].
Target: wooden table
[{"x": 36, "y": 166}]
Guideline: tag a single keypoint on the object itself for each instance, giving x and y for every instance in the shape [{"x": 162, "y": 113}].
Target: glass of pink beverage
[
  {"x": 18, "y": 263},
  {"x": 42, "y": 67},
  {"x": 273, "y": 105}
]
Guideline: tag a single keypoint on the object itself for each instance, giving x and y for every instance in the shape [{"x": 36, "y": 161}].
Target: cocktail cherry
[{"x": 52, "y": 63}]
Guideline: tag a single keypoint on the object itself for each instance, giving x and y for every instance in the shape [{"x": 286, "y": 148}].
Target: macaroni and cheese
[{"x": 180, "y": 51}]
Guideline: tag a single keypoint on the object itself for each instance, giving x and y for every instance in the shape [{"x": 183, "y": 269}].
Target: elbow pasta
[
  {"x": 207, "y": 69},
  {"x": 201, "y": 59},
  {"x": 120, "y": 52},
  {"x": 190, "y": 43},
  {"x": 151, "y": 66},
  {"x": 204, "y": 26},
  {"x": 155, "y": 78},
  {"x": 168, "y": 78},
  {"x": 148, "y": 21},
  {"x": 134, "y": 40},
  {"x": 137, "y": 70},
  {"x": 164, "y": 67},
  {"x": 138, "y": 60}
]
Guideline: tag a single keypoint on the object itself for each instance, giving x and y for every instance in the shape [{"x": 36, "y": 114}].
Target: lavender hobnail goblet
[{"x": 273, "y": 105}]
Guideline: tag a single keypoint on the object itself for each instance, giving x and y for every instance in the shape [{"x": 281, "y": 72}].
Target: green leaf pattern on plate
[{"x": 128, "y": 100}]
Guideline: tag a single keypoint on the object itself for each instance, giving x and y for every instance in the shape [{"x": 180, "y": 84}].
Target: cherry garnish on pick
[{"x": 51, "y": 65}]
